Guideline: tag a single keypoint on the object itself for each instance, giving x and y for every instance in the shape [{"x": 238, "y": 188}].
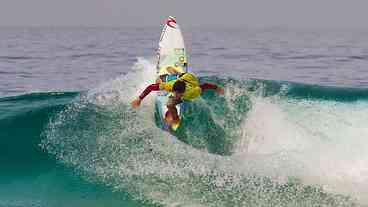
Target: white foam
[
  {"x": 278, "y": 142},
  {"x": 324, "y": 142},
  {"x": 125, "y": 88}
]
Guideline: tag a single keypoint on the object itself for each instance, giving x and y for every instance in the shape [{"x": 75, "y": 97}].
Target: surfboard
[{"x": 171, "y": 53}]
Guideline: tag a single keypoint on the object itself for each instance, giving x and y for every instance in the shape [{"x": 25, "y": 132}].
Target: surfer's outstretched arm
[
  {"x": 207, "y": 86},
  {"x": 153, "y": 87}
]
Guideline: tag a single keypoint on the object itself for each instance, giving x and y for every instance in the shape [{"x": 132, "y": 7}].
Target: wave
[{"x": 262, "y": 143}]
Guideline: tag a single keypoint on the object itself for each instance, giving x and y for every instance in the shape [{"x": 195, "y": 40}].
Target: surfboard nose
[
  {"x": 171, "y": 17},
  {"x": 171, "y": 22}
]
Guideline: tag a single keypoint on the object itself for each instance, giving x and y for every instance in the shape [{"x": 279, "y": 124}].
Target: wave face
[{"x": 262, "y": 143}]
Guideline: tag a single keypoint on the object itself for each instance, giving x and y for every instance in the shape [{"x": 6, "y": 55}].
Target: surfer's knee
[{"x": 171, "y": 117}]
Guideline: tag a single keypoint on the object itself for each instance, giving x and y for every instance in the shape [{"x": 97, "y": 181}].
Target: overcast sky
[{"x": 293, "y": 13}]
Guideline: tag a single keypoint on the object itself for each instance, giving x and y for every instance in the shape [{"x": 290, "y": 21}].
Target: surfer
[{"x": 185, "y": 88}]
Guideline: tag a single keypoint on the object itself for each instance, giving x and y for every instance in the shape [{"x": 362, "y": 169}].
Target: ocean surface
[{"x": 290, "y": 130}]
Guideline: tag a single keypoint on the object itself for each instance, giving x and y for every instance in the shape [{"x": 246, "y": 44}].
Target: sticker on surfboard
[{"x": 171, "y": 22}]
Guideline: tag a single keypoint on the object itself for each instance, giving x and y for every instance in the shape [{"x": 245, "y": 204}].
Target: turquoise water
[
  {"x": 31, "y": 177},
  {"x": 91, "y": 149},
  {"x": 290, "y": 130}
]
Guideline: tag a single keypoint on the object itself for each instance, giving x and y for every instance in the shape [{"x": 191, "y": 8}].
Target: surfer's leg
[
  {"x": 171, "y": 70},
  {"x": 173, "y": 101},
  {"x": 171, "y": 116}
]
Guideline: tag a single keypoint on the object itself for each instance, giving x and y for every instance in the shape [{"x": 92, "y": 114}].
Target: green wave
[
  {"x": 66, "y": 142},
  {"x": 29, "y": 176}
]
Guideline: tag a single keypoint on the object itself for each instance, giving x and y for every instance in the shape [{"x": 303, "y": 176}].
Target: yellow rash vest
[{"x": 192, "y": 87}]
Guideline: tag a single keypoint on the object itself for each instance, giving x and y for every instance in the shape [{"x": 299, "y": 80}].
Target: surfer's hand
[
  {"x": 220, "y": 91},
  {"x": 136, "y": 103}
]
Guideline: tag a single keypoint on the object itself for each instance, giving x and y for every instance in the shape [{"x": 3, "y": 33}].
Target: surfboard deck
[{"x": 171, "y": 52}]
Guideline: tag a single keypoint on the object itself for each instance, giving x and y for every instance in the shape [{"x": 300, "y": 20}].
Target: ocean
[{"x": 290, "y": 130}]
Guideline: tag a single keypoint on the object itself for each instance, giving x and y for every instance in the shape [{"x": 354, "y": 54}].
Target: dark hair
[{"x": 179, "y": 86}]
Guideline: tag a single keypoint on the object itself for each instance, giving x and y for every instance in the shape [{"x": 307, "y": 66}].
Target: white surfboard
[{"x": 171, "y": 52}]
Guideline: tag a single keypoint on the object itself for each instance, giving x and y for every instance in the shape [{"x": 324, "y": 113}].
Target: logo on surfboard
[{"x": 171, "y": 22}]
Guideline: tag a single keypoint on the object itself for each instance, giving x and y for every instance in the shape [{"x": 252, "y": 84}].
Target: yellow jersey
[{"x": 192, "y": 86}]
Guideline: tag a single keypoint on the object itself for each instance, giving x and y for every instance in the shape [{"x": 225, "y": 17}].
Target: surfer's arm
[
  {"x": 208, "y": 86},
  {"x": 153, "y": 87}
]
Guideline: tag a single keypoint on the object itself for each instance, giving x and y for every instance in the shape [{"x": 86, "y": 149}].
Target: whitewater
[{"x": 264, "y": 143}]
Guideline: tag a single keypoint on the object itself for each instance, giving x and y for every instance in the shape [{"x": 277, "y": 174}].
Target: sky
[{"x": 238, "y": 13}]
